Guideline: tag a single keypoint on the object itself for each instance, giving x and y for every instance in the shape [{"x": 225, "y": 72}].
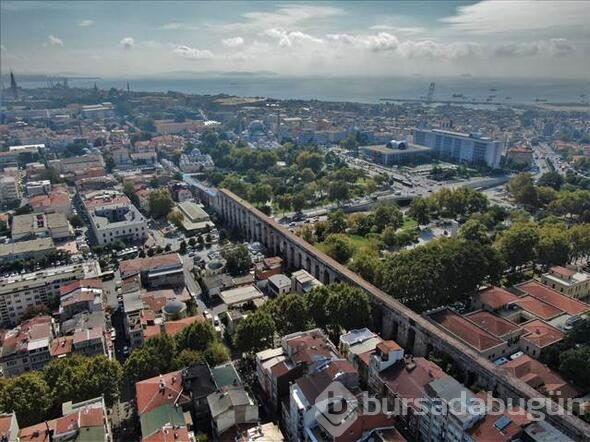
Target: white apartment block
[
  {"x": 19, "y": 292},
  {"x": 113, "y": 217},
  {"x": 470, "y": 148},
  {"x": 9, "y": 190}
]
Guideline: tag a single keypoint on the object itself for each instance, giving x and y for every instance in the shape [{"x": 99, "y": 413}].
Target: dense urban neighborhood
[{"x": 180, "y": 267}]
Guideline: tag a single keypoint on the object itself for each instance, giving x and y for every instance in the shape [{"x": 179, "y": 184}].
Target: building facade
[{"x": 469, "y": 148}]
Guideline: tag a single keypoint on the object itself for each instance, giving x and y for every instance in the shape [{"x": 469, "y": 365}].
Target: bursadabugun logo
[{"x": 335, "y": 409}]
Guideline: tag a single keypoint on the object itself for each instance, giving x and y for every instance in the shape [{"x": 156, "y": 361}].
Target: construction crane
[{"x": 430, "y": 92}]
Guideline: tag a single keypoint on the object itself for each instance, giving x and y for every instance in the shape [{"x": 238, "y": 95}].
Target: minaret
[
  {"x": 127, "y": 87},
  {"x": 13, "y": 86}
]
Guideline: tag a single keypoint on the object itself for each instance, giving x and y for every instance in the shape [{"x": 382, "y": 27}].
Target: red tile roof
[
  {"x": 542, "y": 334},
  {"x": 150, "y": 396},
  {"x": 62, "y": 346},
  {"x": 564, "y": 271},
  {"x": 5, "y": 423},
  {"x": 168, "y": 434},
  {"x": 465, "y": 330},
  {"x": 92, "y": 417},
  {"x": 66, "y": 424},
  {"x": 538, "y": 307},
  {"x": 550, "y": 296},
  {"x": 407, "y": 380},
  {"x": 539, "y": 376},
  {"x": 172, "y": 328},
  {"x": 495, "y": 297},
  {"x": 388, "y": 346},
  {"x": 93, "y": 283},
  {"x": 132, "y": 266},
  {"x": 492, "y": 323},
  {"x": 486, "y": 430}
]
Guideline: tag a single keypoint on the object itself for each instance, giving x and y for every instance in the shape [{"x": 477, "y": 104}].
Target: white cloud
[
  {"x": 284, "y": 17},
  {"x": 192, "y": 53},
  {"x": 127, "y": 43},
  {"x": 398, "y": 29},
  {"x": 519, "y": 16},
  {"x": 52, "y": 40},
  {"x": 175, "y": 26},
  {"x": 555, "y": 47},
  {"x": 233, "y": 42},
  {"x": 383, "y": 41},
  {"x": 286, "y": 39},
  {"x": 86, "y": 23},
  {"x": 2, "y": 48}
]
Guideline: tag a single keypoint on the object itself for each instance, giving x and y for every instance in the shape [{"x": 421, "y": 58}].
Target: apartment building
[
  {"x": 41, "y": 187},
  {"x": 19, "y": 292},
  {"x": 82, "y": 421},
  {"x": 114, "y": 218},
  {"x": 25, "y": 250},
  {"x": 41, "y": 225},
  {"x": 570, "y": 282},
  {"x": 450, "y": 411},
  {"x": 9, "y": 190},
  {"x": 75, "y": 164},
  {"x": 470, "y": 148},
  {"x": 27, "y": 347}
]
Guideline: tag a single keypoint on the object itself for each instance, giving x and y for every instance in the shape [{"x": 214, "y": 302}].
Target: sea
[{"x": 357, "y": 89}]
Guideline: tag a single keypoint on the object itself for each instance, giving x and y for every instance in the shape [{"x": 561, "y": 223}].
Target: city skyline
[{"x": 488, "y": 38}]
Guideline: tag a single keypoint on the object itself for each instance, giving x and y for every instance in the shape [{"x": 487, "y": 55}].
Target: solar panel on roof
[{"x": 502, "y": 422}]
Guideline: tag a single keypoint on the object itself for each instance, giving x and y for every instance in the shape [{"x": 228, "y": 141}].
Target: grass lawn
[{"x": 358, "y": 243}]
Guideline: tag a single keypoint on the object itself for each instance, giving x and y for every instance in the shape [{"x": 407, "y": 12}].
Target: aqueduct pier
[{"x": 394, "y": 320}]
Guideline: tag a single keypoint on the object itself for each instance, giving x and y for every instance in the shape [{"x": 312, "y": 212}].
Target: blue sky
[{"x": 491, "y": 38}]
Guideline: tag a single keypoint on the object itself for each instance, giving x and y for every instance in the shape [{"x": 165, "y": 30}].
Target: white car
[{"x": 217, "y": 324}]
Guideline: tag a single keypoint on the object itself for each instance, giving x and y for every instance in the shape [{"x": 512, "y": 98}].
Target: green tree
[
  {"x": 553, "y": 247},
  {"x": 366, "y": 264},
  {"x": 255, "y": 332},
  {"x": 574, "y": 363},
  {"x": 260, "y": 193},
  {"x": 283, "y": 201},
  {"x": 104, "y": 378},
  {"x": 474, "y": 230},
  {"x": 175, "y": 217},
  {"x": 580, "y": 241},
  {"x": 197, "y": 336},
  {"x": 143, "y": 363},
  {"x": 387, "y": 214},
  {"x": 420, "y": 211},
  {"x": 310, "y": 160},
  {"x": 28, "y": 395},
  {"x": 289, "y": 313},
  {"x": 517, "y": 245},
  {"x": 438, "y": 273},
  {"x": 307, "y": 175},
  {"x": 298, "y": 202},
  {"x": 522, "y": 189},
  {"x": 389, "y": 236},
  {"x": 338, "y": 191},
  {"x": 338, "y": 247},
  {"x": 76, "y": 221},
  {"x": 187, "y": 358},
  {"x": 336, "y": 222},
  {"x": 216, "y": 354},
  {"x": 129, "y": 191},
  {"x": 160, "y": 203},
  {"x": 551, "y": 179},
  {"x": 349, "y": 306},
  {"x": 237, "y": 259}
]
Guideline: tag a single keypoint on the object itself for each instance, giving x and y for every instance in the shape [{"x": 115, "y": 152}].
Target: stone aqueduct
[{"x": 394, "y": 320}]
